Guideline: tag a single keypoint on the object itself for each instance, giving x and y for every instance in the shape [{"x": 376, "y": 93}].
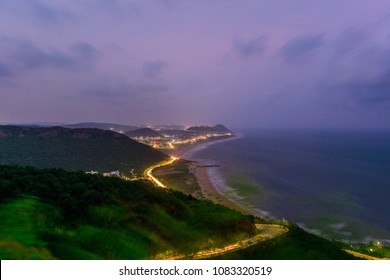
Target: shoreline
[
  {"x": 211, "y": 185},
  {"x": 203, "y": 177},
  {"x": 187, "y": 152},
  {"x": 211, "y": 192}
]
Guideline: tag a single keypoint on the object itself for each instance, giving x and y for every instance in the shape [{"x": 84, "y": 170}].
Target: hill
[
  {"x": 74, "y": 149},
  {"x": 143, "y": 132},
  {"x": 219, "y": 128},
  {"x": 297, "y": 244},
  {"x": 34, "y": 124},
  {"x": 72, "y": 215},
  {"x": 104, "y": 126}
]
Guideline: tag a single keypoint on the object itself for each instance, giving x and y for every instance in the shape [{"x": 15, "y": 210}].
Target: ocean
[{"x": 334, "y": 184}]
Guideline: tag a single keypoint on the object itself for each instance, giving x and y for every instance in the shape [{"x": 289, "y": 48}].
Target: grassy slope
[
  {"x": 68, "y": 215},
  {"x": 295, "y": 245},
  {"x": 48, "y": 214},
  {"x": 21, "y": 221}
]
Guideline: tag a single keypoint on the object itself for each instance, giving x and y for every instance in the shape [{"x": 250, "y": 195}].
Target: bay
[{"x": 332, "y": 183}]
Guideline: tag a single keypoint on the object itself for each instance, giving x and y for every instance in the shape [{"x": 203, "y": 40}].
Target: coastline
[
  {"x": 210, "y": 191},
  {"x": 319, "y": 213},
  {"x": 188, "y": 151},
  {"x": 205, "y": 179}
]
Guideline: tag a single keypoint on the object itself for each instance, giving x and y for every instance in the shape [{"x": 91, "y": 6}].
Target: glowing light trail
[{"x": 148, "y": 172}]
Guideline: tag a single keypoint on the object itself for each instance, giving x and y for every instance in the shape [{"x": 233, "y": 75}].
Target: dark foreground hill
[
  {"x": 55, "y": 214},
  {"x": 296, "y": 244},
  {"x": 74, "y": 149}
]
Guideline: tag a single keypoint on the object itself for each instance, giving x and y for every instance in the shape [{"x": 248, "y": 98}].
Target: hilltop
[
  {"x": 75, "y": 149},
  {"x": 219, "y": 128},
  {"x": 104, "y": 126}
]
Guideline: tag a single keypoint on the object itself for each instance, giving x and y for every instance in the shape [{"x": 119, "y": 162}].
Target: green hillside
[
  {"x": 55, "y": 214},
  {"x": 296, "y": 244},
  {"x": 74, "y": 149}
]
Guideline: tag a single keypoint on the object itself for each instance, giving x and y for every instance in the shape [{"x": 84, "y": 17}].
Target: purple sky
[{"x": 272, "y": 63}]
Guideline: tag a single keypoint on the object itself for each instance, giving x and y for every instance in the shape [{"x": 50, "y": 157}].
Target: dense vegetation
[
  {"x": 373, "y": 248},
  {"x": 52, "y": 213},
  {"x": 297, "y": 244},
  {"x": 74, "y": 149}
]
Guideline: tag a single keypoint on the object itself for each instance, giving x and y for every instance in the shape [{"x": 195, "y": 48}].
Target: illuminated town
[
  {"x": 165, "y": 138},
  {"x": 169, "y": 139}
]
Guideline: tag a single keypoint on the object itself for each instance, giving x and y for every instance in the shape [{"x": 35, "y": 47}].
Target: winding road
[
  {"x": 264, "y": 231},
  {"x": 148, "y": 172}
]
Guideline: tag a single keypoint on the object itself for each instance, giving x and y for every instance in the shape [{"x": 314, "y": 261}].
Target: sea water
[{"x": 332, "y": 183}]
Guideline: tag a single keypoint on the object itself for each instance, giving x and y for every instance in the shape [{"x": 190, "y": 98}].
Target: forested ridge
[
  {"x": 52, "y": 213},
  {"x": 75, "y": 149}
]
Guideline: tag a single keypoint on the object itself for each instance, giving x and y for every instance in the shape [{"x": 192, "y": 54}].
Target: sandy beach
[
  {"x": 210, "y": 191},
  {"x": 206, "y": 184}
]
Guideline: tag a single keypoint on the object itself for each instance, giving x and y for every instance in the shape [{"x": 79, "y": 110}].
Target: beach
[
  {"x": 205, "y": 179},
  {"x": 317, "y": 180},
  {"x": 210, "y": 190}
]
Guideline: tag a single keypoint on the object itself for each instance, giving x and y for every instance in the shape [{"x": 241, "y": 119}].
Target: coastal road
[
  {"x": 363, "y": 256},
  {"x": 148, "y": 172},
  {"x": 264, "y": 232}
]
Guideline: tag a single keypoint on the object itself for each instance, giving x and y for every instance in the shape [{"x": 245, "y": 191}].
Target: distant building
[{"x": 112, "y": 174}]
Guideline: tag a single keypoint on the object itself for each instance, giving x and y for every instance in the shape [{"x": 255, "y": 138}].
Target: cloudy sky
[{"x": 252, "y": 63}]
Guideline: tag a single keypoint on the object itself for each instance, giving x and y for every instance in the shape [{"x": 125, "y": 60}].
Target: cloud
[
  {"x": 369, "y": 93},
  {"x": 358, "y": 79},
  {"x": 25, "y": 55},
  {"x": 111, "y": 9},
  {"x": 45, "y": 13},
  {"x": 248, "y": 48},
  {"x": 169, "y": 4},
  {"x": 300, "y": 47},
  {"x": 122, "y": 92},
  {"x": 85, "y": 51},
  {"x": 5, "y": 70},
  {"x": 153, "y": 69},
  {"x": 350, "y": 40},
  {"x": 33, "y": 57},
  {"x": 49, "y": 13}
]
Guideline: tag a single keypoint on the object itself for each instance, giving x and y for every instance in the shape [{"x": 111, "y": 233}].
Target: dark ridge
[
  {"x": 219, "y": 128},
  {"x": 75, "y": 149},
  {"x": 222, "y": 128},
  {"x": 104, "y": 126}
]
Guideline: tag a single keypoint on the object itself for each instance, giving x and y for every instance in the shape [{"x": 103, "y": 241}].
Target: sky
[{"x": 243, "y": 63}]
